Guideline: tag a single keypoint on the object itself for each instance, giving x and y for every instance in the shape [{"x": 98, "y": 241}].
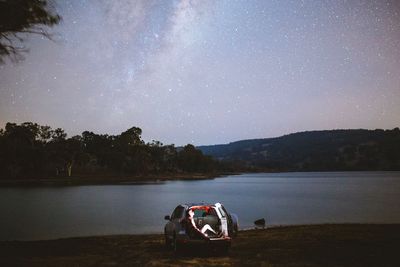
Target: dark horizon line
[
  {"x": 299, "y": 132},
  {"x": 231, "y": 142}
]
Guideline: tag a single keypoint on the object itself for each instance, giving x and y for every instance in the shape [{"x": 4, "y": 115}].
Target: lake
[{"x": 30, "y": 213}]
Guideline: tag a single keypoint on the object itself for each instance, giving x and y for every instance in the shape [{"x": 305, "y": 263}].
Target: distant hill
[{"x": 316, "y": 151}]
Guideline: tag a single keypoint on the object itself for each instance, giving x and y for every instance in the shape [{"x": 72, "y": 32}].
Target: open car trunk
[
  {"x": 208, "y": 222},
  {"x": 212, "y": 221}
]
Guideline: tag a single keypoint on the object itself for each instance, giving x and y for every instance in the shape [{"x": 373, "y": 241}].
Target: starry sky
[{"x": 210, "y": 71}]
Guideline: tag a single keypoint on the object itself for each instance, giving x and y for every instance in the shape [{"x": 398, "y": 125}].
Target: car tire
[
  {"x": 235, "y": 230},
  {"x": 168, "y": 242},
  {"x": 175, "y": 245}
]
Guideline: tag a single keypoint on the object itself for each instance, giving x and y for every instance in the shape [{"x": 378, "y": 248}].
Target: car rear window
[
  {"x": 199, "y": 213},
  {"x": 204, "y": 211}
]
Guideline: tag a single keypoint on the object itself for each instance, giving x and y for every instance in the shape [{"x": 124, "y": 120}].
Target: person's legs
[{"x": 207, "y": 227}]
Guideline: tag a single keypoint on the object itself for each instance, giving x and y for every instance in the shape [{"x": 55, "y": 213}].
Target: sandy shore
[{"x": 310, "y": 245}]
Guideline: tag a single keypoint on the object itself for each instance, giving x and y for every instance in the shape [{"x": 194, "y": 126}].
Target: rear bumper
[{"x": 186, "y": 241}]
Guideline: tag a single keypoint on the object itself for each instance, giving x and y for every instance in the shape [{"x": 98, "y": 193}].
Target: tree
[
  {"x": 131, "y": 137},
  {"x": 20, "y": 152},
  {"x": 19, "y": 18},
  {"x": 29, "y": 150},
  {"x": 191, "y": 159}
]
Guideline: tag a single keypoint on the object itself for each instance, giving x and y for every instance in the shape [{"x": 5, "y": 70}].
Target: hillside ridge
[{"x": 342, "y": 149}]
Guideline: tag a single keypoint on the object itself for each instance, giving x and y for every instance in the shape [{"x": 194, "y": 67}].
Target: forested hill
[{"x": 332, "y": 150}]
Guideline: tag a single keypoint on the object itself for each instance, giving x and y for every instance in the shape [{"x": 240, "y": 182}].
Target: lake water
[{"x": 281, "y": 198}]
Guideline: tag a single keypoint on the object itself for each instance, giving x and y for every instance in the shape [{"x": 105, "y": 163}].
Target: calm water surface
[{"x": 281, "y": 198}]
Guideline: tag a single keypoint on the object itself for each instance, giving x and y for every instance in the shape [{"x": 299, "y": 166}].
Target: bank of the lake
[
  {"x": 110, "y": 179},
  {"x": 308, "y": 245}
]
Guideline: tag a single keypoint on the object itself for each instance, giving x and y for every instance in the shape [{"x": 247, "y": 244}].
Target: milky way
[{"x": 207, "y": 72}]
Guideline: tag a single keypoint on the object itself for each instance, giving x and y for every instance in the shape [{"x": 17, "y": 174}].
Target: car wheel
[
  {"x": 175, "y": 245},
  {"x": 167, "y": 242},
  {"x": 235, "y": 230}
]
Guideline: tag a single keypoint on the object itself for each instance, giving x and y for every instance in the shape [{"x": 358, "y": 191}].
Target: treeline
[
  {"x": 329, "y": 150},
  {"x": 29, "y": 150}
]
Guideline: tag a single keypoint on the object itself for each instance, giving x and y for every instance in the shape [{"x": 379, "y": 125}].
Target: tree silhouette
[
  {"x": 19, "y": 18},
  {"x": 29, "y": 150}
]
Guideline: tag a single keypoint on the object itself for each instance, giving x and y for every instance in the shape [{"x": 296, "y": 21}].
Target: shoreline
[
  {"x": 132, "y": 180},
  {"x": 296, "y": 245},
  {"x": 111, "y": 179}
]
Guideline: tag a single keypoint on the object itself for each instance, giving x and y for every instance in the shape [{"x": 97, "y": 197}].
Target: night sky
[{"x": 207, "y": 72}]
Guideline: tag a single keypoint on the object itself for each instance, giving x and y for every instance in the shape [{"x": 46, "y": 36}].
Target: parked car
[{"x": 200, "y": 223}]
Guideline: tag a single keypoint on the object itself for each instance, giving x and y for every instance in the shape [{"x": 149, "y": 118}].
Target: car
[{"x": 200, "y": 223}]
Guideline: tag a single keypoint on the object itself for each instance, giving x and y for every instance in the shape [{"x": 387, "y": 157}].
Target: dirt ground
[{"x": 310, "y": 245}]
